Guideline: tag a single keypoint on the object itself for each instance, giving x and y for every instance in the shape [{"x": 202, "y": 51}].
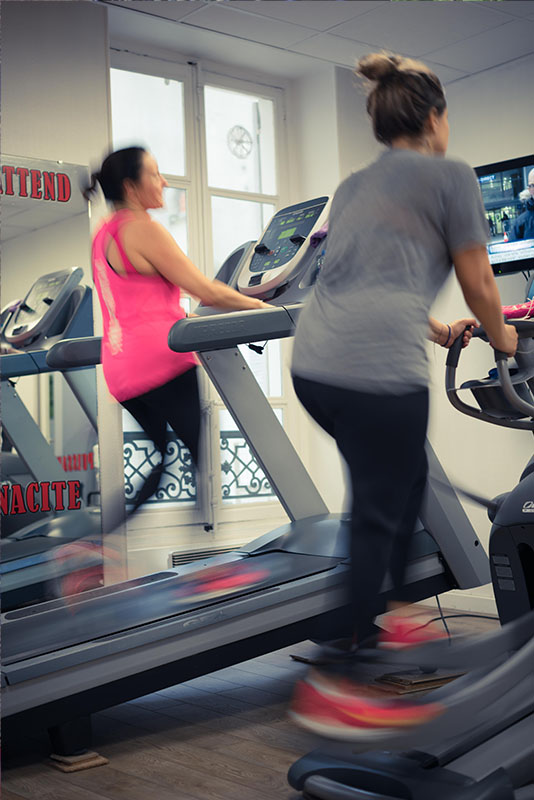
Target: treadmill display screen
[
  {"x": 284, "y": 236},
  {"x": 287, "y": 233},
  {"x": 43, "y": 292},
  {"x": 508, "y": 196}
]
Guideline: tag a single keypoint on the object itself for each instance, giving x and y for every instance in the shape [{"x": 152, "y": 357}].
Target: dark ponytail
[
  {"x": 117, "y": 167},
  {"x": 91, "y": 188}
]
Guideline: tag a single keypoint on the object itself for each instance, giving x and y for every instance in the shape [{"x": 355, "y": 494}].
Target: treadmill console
[
  {"x": 282, "y": 247},
  {"x": 35, "y": 316}
]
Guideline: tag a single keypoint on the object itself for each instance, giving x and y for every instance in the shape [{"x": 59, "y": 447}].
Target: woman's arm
[
  {"x": 446, "y": 333},
  {"x": 475, "y": 275},
  {"x": 152, "y": 242},
  {"x": 439, "y": 332}
]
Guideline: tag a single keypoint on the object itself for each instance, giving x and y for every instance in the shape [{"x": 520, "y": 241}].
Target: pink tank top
[{"x": 138, "y": 312}]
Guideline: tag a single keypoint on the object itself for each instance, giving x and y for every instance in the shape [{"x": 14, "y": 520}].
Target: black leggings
[
  {"x": 177, "y": 403},
  {"x": 382, "y": 439}
]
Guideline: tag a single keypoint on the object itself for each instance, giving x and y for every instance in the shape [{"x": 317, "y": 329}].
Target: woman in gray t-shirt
[{"x": 359, "y": 360}]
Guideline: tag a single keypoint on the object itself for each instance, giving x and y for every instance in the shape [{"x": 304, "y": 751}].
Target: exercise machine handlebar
[
  {"x": 75, "y": 353},
  {"x": 525, "y": 330},
  {"x": 198, "y": 333},
  {"x": 221, "y": 331}
]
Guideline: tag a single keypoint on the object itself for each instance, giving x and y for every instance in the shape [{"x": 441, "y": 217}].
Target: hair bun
[{"x": 378, "y": 66}]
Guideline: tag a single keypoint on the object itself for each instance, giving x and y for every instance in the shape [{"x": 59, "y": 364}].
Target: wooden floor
[{"x": 225, "y": 736}]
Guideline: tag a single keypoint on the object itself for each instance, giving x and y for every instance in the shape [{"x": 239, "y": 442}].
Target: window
[
  {"x": 174, "y": 214},
  {"x": 148, "y": 111},
  {"x": 242, "y": 185},
  {"x": 216, "y": 145},
  {"x": 240, "y": 141},
  {"x": 226, "y": 235}
]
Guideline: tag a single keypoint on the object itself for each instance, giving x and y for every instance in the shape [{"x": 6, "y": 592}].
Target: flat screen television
[{"x": 508, "y": 195}]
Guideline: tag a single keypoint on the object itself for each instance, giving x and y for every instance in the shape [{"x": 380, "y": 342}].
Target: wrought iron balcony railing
[{"x": 241, "y": 476}]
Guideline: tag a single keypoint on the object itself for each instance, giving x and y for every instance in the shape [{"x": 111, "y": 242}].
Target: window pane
[
  {"x": 240, "y": 141},
  {"x": 148, "y": 111},
  {"x": 242, "y": 479},
  {"x": 178, "y": 481},
  {"x": 227, "y": 235},
  {"x": 173, "y": 215}
]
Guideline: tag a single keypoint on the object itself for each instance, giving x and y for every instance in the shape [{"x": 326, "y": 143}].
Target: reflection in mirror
[{"x": 49, "y": 441}]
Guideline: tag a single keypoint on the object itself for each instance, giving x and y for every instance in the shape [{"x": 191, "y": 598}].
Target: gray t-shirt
[{"x": 393, "y": 227}]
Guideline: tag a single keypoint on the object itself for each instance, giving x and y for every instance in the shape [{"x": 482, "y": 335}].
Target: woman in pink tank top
[{"x": 139, "y": 272}]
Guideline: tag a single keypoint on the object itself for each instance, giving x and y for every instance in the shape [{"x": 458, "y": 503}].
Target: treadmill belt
[{"x": 38, "y": 630}]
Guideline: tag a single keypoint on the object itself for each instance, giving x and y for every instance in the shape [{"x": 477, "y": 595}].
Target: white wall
[
  {"x": 492, "y": 114},
  {"x": 313, "y": 133},
  {"x": 357, "y": 146},
  {"x": 54, "y": 64}
]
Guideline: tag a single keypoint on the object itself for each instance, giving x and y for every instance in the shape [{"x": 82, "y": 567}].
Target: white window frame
[
  {"x": 262, "y": 509},
  {"x": 210, "y": 507},
  {"x": 219, "y": 81}
]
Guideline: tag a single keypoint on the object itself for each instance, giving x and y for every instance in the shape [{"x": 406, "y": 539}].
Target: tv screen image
[{"x": 508, "y": 195}]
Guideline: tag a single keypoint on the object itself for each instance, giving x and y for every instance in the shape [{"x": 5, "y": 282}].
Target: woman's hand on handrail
[
  {"x": 446, "y": 333},
  {"x": 508, "y": 342}
]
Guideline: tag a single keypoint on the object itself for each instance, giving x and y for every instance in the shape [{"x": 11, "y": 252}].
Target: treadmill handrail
[
  {"x": 215, "y": 332},
  {"x": 525, "y": 330},
  {"x": 15, "y": 365},
  {"x": 72, "y": 353},
  {"x": 221, "y": 331}
]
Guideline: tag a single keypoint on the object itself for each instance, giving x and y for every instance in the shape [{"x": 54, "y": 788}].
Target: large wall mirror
[
  {"x": 45, "y": 222},
  {"x": 46, "y": 229}
]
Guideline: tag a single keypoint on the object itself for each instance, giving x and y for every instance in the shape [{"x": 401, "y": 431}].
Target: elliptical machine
[
  {"x": 505, "y": 397},
  {"x": 482, "y": 747}
]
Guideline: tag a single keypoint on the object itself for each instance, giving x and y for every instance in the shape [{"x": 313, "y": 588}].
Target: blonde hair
[{"x": 403, "y": 94}]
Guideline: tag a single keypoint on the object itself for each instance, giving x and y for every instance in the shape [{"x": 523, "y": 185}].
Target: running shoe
[
  {"x": 339, "y": 709},
  {"x": 83, "y": 562},
  {"x": 214, "y": 582},
  {"x": 404, "y": 632}
]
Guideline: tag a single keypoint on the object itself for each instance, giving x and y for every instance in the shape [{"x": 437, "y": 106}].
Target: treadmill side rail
[
  {"x": 443, "y": 515},
  {"x": 243, "y": 397}
]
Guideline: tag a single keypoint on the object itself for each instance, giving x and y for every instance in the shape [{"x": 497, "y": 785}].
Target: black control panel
[
  {"x": 36, "y": 314},
  {"x": 285, "y": 235}
]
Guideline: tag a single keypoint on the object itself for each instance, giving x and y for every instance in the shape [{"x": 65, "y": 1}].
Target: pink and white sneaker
[
  {"x": 404, "y": 632},
  {"x": 339, "y": 709},
  {"x": 214, "y": 582}
]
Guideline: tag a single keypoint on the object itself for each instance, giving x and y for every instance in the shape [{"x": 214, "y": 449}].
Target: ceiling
[
  {"x": 21, "y": 217},
  {"x": 288, "y": 39}
]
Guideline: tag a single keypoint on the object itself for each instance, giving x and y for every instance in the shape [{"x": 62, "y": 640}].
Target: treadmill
[
  {"x": 64, "y": 659},
  {"x": 482, "y": 746},
  {"x": 57, "y": 306}
]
